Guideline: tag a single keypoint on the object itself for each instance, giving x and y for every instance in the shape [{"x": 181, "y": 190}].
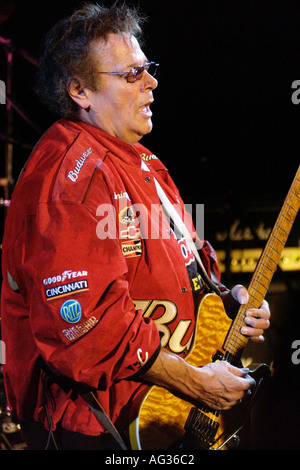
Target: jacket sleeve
[{"x": 82, "y": 317}]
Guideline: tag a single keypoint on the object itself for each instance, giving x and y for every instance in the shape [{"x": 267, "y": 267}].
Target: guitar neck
[{"x": 235, "y": 342}]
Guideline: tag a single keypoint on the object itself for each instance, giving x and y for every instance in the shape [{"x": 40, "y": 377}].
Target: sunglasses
[{"x": 136, "y": 73}]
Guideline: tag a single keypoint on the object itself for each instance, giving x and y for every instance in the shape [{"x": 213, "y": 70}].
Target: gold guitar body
[{"x": 162, "y": 416}]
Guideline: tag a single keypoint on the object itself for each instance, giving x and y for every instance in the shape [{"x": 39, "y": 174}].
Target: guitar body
[{"x": 162, "y": 416}]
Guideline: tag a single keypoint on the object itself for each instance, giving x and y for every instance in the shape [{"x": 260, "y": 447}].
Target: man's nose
[{"x": 149, "y": 82}]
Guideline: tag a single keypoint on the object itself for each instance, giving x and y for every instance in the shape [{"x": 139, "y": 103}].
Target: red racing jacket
[{"x": 89, "y": 282}]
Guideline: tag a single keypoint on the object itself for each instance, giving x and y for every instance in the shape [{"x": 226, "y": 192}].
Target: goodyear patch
[
  {"x": 71, "y": 311},
  {"x": 132, "y": 248}
]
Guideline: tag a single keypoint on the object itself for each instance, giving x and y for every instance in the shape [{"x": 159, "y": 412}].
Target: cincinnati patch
[
  {"x": 132, "y": 248},
  {"x": 64, "y": 290}
]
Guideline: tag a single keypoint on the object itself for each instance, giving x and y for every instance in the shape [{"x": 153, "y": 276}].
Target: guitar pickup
[{"x": 202, "y": 427}]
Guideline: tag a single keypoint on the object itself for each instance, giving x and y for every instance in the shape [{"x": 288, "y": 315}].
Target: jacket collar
[{"x": 130, "y": 154}]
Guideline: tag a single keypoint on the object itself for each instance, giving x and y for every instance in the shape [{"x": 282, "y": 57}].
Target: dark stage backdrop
[
  {"x": 226, "y": 124},
  {"x": 224, "y": 120}
]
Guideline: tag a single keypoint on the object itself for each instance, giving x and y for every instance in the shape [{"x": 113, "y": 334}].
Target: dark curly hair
[{"x": 67, "y": 51}]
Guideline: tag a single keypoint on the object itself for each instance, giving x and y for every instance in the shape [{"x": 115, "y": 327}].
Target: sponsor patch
[
  {"x": 66, "y": 289},
  {"x": 71, "y": 311},
  {"x": 147, "y": 158},
  {"x": 127, "y": 216},
  {"x": 66, "y": 275},
  {"x": 73, "y": 174},
  {"x": 77, "y": 331},
  {"x": 132, "y": 248},
  {"x": 122, "y": 195},
  {"x": 131, "y": 232},
  {"x": 186, "y": 252}
]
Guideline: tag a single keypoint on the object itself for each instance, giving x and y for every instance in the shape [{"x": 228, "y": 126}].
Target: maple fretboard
[{"x": 235, "y": 342}]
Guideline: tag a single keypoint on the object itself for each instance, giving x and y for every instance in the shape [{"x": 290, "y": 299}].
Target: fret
[
  {"x": 288, "y": 220},
  {"x": 235, "y": 343},
  {"x": 291, "y": 212},
  {"x": 270, "y": 261},
  {"x": 274, "y": 249},
  {"x": 278, "y": 239},
  {"x": 259, "y": 293},
  {"x": 250, "y": 304},
  {"x": 292, "y": 192},
  {"x": 261, "y": 263},
  {"x": 254, "y": 302},
  {"x": 263, "y": 275},
  {"x": 294, "y": 200},
  {"x": 292, "y": 208},
  {"x": 271, "y": 251},
  {"x": 263, "y": 290},
  {"x": 279, "y": 227},
  {"x": 285, "y": 224},
  {"x": 237, "y": 336}
]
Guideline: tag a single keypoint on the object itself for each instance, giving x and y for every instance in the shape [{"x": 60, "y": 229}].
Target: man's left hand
[{"x": 257, "y": 320}]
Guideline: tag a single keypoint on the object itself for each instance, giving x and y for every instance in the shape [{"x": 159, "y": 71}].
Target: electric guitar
[{"x": 163, "y": 420}]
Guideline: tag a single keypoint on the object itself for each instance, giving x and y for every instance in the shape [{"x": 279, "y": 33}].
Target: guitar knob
[{"x": 234, "y": 441}]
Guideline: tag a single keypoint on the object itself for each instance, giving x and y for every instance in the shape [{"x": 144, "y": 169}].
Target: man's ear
[{"x": 79, "y": 93}]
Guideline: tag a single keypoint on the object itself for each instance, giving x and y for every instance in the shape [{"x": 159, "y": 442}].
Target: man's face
[{"x": 120, "y": 108}]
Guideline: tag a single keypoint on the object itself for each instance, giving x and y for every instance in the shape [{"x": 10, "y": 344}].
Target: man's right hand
[
  {"x": 218, "y": 385},
  {"x": 222, "y": 385}
]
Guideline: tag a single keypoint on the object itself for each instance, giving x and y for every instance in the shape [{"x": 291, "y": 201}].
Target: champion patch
[
  {"x": 71, "y": 311},
  {"x": 132, "y": 248}
]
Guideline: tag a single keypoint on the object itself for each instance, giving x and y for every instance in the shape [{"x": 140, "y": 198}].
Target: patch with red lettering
[{"x": 132, "y": 248}]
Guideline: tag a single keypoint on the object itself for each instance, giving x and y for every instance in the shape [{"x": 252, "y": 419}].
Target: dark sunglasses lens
[
  {"x": 131, "y": 77},
  {"x": 138, "y": 72}
]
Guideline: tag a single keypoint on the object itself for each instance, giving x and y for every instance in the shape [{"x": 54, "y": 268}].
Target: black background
[
  {"x": 225, "y": 126},
  {"x": 224, "y": 121}
]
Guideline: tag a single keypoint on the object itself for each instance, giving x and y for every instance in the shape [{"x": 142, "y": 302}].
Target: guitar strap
[
  {"x": 102, "y": 417},
  {"x": 181, "y": 227},
  {"x": 67, "y": 385}
]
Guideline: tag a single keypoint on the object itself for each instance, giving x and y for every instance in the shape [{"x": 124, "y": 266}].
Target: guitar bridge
[{"x": 202, "y": 427}]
